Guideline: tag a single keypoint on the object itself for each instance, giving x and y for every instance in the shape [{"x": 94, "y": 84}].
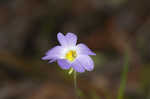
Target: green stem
[
  {"x": 123, "y": 78},
  {"x": 75, "y": 85}
]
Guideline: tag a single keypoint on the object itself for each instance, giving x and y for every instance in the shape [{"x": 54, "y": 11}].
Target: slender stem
[
  {"x": 75, "y": 85},
  {"x": 124, "y": 78}
]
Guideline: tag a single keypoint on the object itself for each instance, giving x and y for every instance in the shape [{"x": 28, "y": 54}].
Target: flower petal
[
  {"x": 86, "y": 62},
  {"x": 62, "y": 39},
  {"x": 71, "y": 38},
  {"x": 84, "y": 50},
  {"x": 64, "y": 64},
  {"x": 52, "y": 60},
  {"x": 53, "y": 53},
  {"x": 77, "y": 66}
]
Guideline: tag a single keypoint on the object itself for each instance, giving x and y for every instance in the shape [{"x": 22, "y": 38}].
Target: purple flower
[{"x": 69, "y": 55}]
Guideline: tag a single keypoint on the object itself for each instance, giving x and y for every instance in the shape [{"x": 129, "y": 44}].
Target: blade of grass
[{"x": 123, "y": 77}]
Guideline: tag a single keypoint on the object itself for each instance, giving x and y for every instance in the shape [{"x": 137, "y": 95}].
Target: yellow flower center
[{"x": 71, "y": 55}]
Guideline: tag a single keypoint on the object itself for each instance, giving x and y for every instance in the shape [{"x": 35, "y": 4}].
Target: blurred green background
[{"x": 113, "y": 29}]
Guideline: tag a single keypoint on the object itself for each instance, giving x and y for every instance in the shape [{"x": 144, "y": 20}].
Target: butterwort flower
[{"x": 69, "y": 55}]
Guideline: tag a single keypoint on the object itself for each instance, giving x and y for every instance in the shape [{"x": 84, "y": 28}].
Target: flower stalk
[{"x": 75, "y": 85}]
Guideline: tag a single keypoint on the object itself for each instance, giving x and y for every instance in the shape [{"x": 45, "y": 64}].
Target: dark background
[{"x": 111, "y": 28}]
